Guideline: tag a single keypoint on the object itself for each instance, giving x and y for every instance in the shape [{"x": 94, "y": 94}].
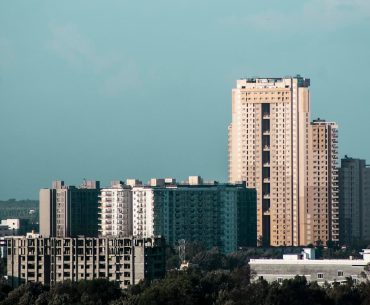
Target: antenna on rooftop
[{"x": 182, "y": 248}]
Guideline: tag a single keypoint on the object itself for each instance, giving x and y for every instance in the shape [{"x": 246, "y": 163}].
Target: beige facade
[
  {"x": 322, "y": 219},
  {"x": 268, "y": 148}
]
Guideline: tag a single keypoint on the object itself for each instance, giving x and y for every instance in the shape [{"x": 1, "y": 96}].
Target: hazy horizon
[{"x": 115, "y": 89}]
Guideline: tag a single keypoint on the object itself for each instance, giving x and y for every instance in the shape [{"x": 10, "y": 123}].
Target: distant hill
[{"x": 23, "y": 209}]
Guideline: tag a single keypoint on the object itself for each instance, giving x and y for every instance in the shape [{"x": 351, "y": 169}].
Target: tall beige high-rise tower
[
  {"x": 323, "y": 194},
  {"x": 268, "y": 148}
]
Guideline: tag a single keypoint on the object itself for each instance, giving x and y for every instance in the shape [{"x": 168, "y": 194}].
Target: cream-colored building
[
  {"x": 268, "y": 148},
  {"x": 322, "y": 220}
]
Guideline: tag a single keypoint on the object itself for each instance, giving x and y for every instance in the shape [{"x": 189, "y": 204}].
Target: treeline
[
  {"x": 214, "y": 278},
  {"x": 208, "y": 260},
  {"x": 191, "y": 287},
  {"x": 12, "y": 208}
]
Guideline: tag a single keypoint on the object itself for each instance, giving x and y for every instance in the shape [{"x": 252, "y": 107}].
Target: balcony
[
  {"x": 266, "y": 196},
  {"x": 266, "y": 180},
  {"x": 266, "y": 148},
  {"x": 266, "y": 164},
  {"x": 266, "y": 116},
  {"x": 266, "y": 133}
]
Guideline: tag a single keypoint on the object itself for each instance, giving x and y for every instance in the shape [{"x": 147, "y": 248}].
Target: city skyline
[{"x": 161, "y": 85}]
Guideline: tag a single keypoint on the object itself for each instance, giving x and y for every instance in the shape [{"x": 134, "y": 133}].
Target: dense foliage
[
  {"x": 189, "y": 288},
  {"x": 214, "y": 279},
  {"x": 12, "y": 208}
]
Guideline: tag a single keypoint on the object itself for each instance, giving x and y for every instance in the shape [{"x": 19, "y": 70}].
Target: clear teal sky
[{"x": 114, "y": 89}]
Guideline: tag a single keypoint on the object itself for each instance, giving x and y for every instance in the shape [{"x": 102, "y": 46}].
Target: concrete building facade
[
  {"x": 322, "y": 221},
  {"x": 268, "y": 148},
  {"x": 52, "y": 260},
  {"x": 354, "y": 201},
  {"x": 68, "y": 211}
]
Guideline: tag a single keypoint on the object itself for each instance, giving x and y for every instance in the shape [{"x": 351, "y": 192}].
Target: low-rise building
[
  {"x": 56, "y": 259},
  {"x": 305, "y": 264},
  {"x": 14, "y": 225},
  {"x": 5, "y": 230}
]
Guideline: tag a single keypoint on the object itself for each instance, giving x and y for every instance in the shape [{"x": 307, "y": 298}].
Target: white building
[
  {"x": 305, "y": 264},
  {"x": 13, "y": 224},
  {"x": 116, "y": 210},
  {"x": 5, "y": 231}
]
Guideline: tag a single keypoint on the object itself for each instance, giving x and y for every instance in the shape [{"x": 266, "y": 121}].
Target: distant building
[
  {"x": 322, "y": 215},
  {"x": 52, "y": 260},
  {"x": 8, "y": 227},
  {"x": 3, "y": 241},
  {"x": 68, "y": 211},
  {"x": 217, "y": 215},
  {"x": 305, "y": 264},
  {"x": 354, "y": 201},
  {"x": 268, "y": 149},
  {"x": 5, "y": 230},
  {"x": 13, "y": 224},
  {"x": 19, "y": 226},
  {"x": 115, "y": 210}
]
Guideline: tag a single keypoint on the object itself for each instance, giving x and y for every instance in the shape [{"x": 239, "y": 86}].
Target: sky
[{"x": 111, "y": 90}]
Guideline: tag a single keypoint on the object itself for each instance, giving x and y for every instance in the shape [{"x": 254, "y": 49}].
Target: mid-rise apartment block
[
  {"x": 322, "y": 215},
  {"x": 115, "y": 215},
  {"x": 217, "y": 215},
  {"x": 268, "y": 148},
  {"x": 68, "y": 211},
  {"x": 354, "y": 201},
  {"x": 51, "y": 260}
]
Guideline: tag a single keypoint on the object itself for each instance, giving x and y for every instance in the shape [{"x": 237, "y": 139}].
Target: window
[
  {"x": 320, "y": 275},
  {"x": 279, "y": 280},
  {"x": 340, "y": 273}
]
